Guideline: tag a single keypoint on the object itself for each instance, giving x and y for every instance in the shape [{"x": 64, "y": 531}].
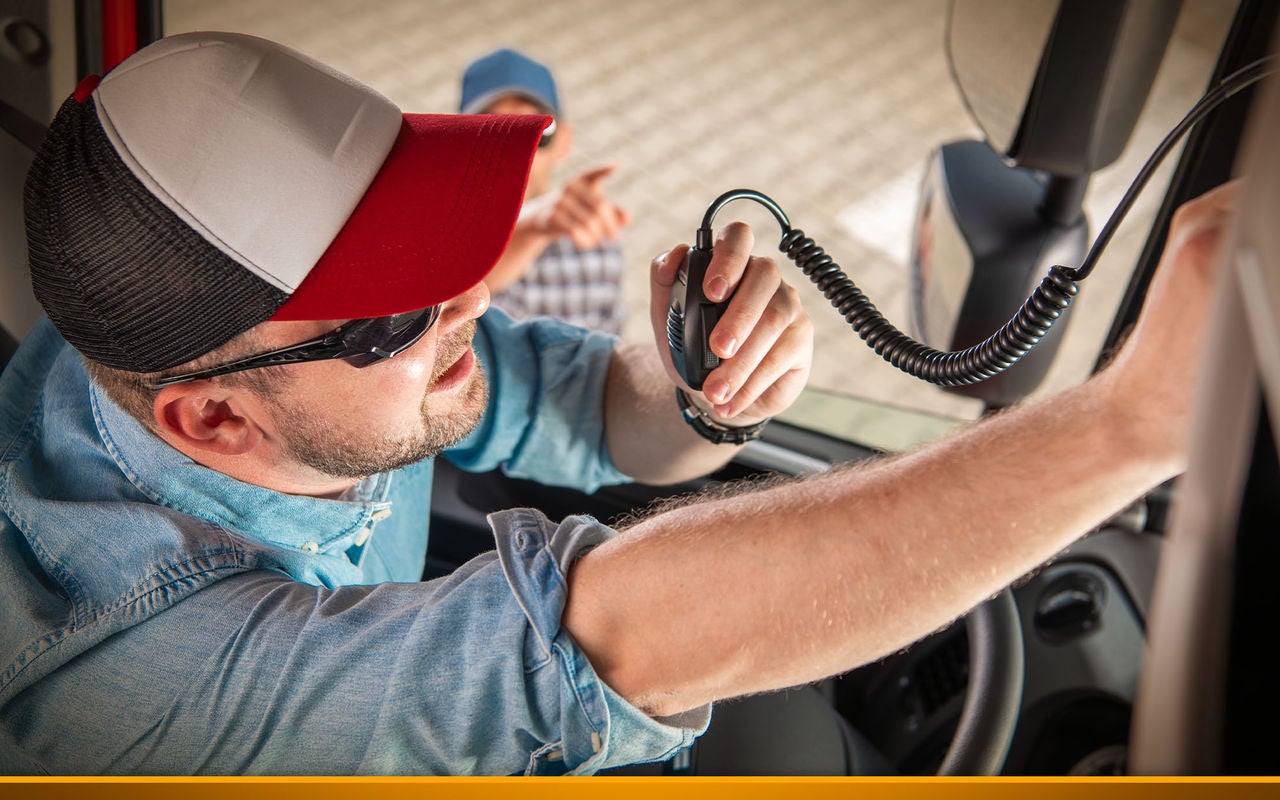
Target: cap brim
[{"x": 433, "y": 222}]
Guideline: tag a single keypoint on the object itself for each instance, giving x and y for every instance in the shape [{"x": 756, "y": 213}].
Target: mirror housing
[{"x": 1058, "y": 85}]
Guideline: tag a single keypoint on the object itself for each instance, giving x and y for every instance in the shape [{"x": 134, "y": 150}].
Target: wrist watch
[{"x": 710, "y": 429}]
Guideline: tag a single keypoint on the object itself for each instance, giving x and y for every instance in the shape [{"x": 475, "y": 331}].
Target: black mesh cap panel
[{"x": 124, "y": 279}]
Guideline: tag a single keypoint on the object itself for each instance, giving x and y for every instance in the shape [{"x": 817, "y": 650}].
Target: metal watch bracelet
[{"x": 713, "y": 431}]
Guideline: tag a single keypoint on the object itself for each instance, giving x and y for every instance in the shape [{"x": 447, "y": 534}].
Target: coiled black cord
[
  {"x": 1028, "y": 326},
  {"x": 997, "y": 353}
]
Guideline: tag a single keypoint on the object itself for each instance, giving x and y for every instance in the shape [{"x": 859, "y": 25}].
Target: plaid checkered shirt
[{"x": 583, "y": 287}]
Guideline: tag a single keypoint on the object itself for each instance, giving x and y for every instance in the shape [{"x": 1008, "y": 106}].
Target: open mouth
[{"x": 457, "y": 373}]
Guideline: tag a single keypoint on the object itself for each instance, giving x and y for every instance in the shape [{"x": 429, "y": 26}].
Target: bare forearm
[
  {"x": 648, "y": 439},
  {"x": 775, "y": 588}
]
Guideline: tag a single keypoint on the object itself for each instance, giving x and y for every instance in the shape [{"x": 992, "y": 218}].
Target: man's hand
[
  {"x": 765, "y": 344},
  {"x": 764, "y": 338},
  {"x": 579, "y": 210}
]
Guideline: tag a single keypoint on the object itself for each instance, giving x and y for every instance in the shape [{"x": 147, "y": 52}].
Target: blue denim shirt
[{"x": 158, "y": 617}]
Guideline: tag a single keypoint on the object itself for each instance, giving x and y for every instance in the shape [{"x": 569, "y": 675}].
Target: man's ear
[{"x": 199, "y": 416}]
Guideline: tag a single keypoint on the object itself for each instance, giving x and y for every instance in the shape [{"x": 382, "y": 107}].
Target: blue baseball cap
[{"x": 506, "y": 72}]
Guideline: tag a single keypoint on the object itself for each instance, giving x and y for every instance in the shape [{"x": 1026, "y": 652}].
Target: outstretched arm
[{"x": 773, "y": 588}]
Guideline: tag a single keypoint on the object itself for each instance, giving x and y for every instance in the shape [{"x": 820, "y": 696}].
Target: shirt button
[
  {"x": 362, "y": 536},
  {"x": 381, "y": 514},
  {"x": 311, "y": 547}
]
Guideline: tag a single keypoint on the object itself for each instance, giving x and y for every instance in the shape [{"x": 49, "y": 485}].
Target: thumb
[{"x": 662, "y": 274}]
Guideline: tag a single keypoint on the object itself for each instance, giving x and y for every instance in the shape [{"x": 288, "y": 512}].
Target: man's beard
[{"x": 359, "y": 454}]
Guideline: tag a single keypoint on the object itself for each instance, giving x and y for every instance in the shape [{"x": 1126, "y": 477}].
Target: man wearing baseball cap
[
  {"x": 266, "y": 315},
  {"x": 270, "y": 279},
  {"x": 564, "y": 258}
]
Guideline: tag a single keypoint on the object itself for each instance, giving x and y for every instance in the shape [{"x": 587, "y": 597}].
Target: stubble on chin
[
  {"x": 448, "y": 428},
  {"x": 355, "y": 452}
]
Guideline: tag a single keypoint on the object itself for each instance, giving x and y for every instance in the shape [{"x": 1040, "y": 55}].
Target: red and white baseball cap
[{"x": 213, "y": 181}]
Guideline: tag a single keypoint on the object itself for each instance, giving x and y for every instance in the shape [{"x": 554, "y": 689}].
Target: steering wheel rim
[
  {"x": 764, "y": 728},
  {"x": 997, "y": 669}
]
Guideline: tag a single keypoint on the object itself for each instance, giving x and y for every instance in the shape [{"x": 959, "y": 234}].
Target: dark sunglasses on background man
[{"x": 548, "y": 134}]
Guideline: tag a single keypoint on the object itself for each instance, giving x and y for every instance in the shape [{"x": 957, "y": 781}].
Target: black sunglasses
[
  {"x": 548, "y": 133},
  {"x": 360, "y": 342}
]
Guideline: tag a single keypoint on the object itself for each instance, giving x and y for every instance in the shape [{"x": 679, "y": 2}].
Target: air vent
[{"x": 943, "y": 674}]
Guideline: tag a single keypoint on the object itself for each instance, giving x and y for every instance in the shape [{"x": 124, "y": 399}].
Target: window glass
[{"x": 831, "y": 107}]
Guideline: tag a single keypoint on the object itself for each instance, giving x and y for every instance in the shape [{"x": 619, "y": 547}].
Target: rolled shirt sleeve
[{"x": 601, "y": 729}]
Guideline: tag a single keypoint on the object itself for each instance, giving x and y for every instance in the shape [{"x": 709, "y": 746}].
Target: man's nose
[{"x": 465, "y": 307}]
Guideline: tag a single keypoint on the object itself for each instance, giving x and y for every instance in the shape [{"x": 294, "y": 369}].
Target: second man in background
[{"x": 564, "y": 259}]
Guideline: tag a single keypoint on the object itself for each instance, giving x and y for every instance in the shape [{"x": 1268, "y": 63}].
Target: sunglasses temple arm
[{"x": 285, "y": 355}]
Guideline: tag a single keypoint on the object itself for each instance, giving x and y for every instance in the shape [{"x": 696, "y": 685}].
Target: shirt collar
[{"x": 170, "y": 478}]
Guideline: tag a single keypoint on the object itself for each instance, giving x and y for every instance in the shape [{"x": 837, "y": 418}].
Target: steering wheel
[
  {"x": 996, "y": 672},
  {"x": 799, "y": 731}
]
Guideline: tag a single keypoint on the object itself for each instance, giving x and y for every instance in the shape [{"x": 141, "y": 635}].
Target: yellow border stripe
[{"x": 629, "y": 788}]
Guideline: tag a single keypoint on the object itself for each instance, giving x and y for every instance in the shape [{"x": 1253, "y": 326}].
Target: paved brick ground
[{"x": 829, "y": 106}]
